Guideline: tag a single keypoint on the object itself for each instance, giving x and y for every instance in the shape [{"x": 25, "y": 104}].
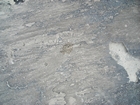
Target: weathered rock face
[{"x": 56, "y": 52}]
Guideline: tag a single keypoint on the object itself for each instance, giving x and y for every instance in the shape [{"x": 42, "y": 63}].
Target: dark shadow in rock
[{"x": 18, "y": 1}]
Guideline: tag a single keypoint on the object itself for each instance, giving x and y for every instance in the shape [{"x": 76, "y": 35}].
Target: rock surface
[{"x": 56, "y": 52}]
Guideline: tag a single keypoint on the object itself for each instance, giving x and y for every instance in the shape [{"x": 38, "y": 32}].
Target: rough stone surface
[{"x": 56, "y": 52}]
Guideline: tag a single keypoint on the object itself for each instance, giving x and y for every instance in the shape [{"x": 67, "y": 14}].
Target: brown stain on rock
[{"x": 67, "y": 48}]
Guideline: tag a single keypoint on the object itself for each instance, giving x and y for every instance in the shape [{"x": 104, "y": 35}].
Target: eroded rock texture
[{"x": 56, "y": 52}]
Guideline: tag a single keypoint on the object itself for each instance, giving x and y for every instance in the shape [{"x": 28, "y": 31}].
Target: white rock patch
[
  {"x": 29, "y": 24},
  {"x": 128, "y": 62}
]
